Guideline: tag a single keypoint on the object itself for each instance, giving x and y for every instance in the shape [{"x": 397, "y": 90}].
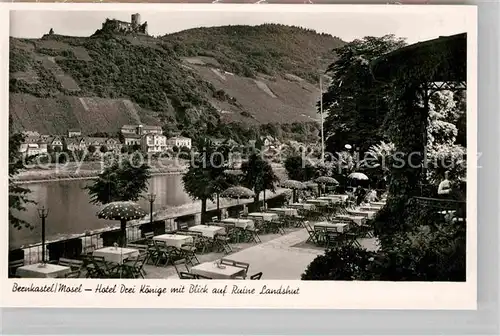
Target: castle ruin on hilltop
[{"x": 133, "y": 27}]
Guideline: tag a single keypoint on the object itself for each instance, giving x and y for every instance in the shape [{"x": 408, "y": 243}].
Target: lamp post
[
  {"x": 322, "y": 120},
  {"x": 151, "y": 199},
  {"x": 43, "y": 213}
]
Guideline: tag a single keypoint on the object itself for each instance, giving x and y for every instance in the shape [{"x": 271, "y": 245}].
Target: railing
[{"x": 79, "y": 244}]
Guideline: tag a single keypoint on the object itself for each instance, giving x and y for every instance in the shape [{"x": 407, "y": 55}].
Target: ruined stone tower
[{"x": 136, "y": 20}]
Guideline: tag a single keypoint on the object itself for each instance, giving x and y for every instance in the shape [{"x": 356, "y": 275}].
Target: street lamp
[
  {"x": 322, "y": 120},
  {"x": 151, "y": 199},
  {"x": 43, "y": 213}
]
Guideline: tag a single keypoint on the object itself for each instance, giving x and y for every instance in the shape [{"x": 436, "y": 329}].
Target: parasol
[
  {"x": 358, "y": 176},
  {"x": 237, "y": 192},
  {"x": 123, "y": 211},
  {"x": 294, "y": 185},
  {"x": 326, "y": 180}
]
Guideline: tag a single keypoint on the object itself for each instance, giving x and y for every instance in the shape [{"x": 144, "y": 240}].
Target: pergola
[{"x": 420, "y": 70}]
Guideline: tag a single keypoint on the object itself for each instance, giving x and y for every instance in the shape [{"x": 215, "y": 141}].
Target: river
[{"x": 70, "y": 210}]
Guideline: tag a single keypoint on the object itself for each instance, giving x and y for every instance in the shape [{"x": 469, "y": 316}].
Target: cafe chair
[{"x": 256, "y": 276}]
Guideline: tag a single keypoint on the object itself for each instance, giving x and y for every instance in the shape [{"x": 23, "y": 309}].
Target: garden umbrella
[
  {"x": 237, "y": 192},
  {"x": 358, "y": 176},
  {"x": 294, "y": 185},
  {"x": 327, "y": 180},
  {"x": 122, "y": 211}
]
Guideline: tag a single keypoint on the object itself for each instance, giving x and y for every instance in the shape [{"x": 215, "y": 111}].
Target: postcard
[{"x": 244, "y": 156}]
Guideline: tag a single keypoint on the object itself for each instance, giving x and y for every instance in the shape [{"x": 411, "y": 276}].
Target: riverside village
[{"x": 257, "y": 152}]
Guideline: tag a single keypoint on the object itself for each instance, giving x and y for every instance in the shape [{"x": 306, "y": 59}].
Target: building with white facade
[
  {"x": 154, "y": 143},
  {"x": 179, "y": 142}
]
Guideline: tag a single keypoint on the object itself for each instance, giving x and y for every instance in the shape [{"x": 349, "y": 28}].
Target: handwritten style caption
[{"x": 145, "y": 289}]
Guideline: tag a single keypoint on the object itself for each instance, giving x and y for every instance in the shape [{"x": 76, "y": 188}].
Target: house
[
  {"x": 72, "y": 133},
  {"x": 113, "y": 145},
  {"x": 229, "y": 142},
  {"x": 97, "y": 142},
  {"x": 55, "y": 143},
  {"x": 132, "y": 139},
  {"x": 153, "y": 143},
  {"x": 179, "y": 142},
  {"x": 33, "y": 145},
  {"x": 75, "y": 144},
  {"x": 129, "y": 129},
  {"x": 140, "y": 129},
  {"x": 152, "y": 129}
]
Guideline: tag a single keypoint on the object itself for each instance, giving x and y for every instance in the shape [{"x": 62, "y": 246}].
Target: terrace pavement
[{"x": 278, "y": 257}]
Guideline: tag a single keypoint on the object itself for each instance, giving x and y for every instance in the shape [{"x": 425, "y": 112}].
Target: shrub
[{"x": 342, "y": 263}]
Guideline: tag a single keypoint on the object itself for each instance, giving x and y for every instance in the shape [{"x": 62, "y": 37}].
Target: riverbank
[
  {"x": 166, "y": 213},
  {"x": 90, "y": 170}
]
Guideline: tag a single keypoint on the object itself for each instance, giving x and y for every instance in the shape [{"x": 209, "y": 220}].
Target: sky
[{"x": 415, "y": 26}]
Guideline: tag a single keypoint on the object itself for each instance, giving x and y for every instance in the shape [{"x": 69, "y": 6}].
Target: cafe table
[
  {"x": 267, "y": 216},
  {"x": 330, "y": 200},
  {"x": 343, "y": 197},
  {"x": 285, "y": 211},
  {"x": 359, "y": 212},
  {"x": 318, "y": 202},
  {"x": 369, "y": 208},
  {"x": 356, "y": 219},
  {"x": 209, "y": 231},
  {"x": 305, "y": 206},
  {"x": 243, "y": 223},
  {"x": 174, "y": 240},
  {"x": 339, "y": 226},
  {"x": 375, "y": 206},
  {"x": 42, "y": 271},
  {"x": 211, "y": 270},
  {"x": 116, "y": 255}
]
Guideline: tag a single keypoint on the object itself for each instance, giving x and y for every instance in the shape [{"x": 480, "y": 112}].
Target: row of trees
[{"x": 209, "y": 174}]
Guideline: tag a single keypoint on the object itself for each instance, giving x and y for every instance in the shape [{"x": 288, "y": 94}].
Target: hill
[{"x": 211, "y": 80}]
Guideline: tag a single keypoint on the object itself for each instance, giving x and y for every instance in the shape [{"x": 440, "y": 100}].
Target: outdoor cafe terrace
[{"x": 275, "y": 243}]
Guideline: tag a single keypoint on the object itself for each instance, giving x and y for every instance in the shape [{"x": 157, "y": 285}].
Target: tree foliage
[
  {"x": 203, "y": 178},
  {"x": 258, "y": 175},
  {"x": 18, "y": 196},
  {"x": 124, "y": 180},
  {"x": 356, "y": 104},
  {"x": 300, "y": 169}
]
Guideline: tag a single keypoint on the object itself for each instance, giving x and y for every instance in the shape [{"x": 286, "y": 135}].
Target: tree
[
  {"x": 201, "y": 179},
  {"x": 355, "y": 103},
  {"x": 124, "y": 180},
  {"x": 103, "y": 149},
  {"x": 18, "y": 196},
  {"x": 258, "y": 175},
  {"x": 91, "y": 149},
  {"x": 51, "y": 31},
  {"x": 299, "y": 169},
  {"x": 121, "y": 138}
]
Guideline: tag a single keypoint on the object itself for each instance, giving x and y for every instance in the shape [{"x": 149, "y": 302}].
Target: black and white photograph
[{"x": 238, "y": 145}]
